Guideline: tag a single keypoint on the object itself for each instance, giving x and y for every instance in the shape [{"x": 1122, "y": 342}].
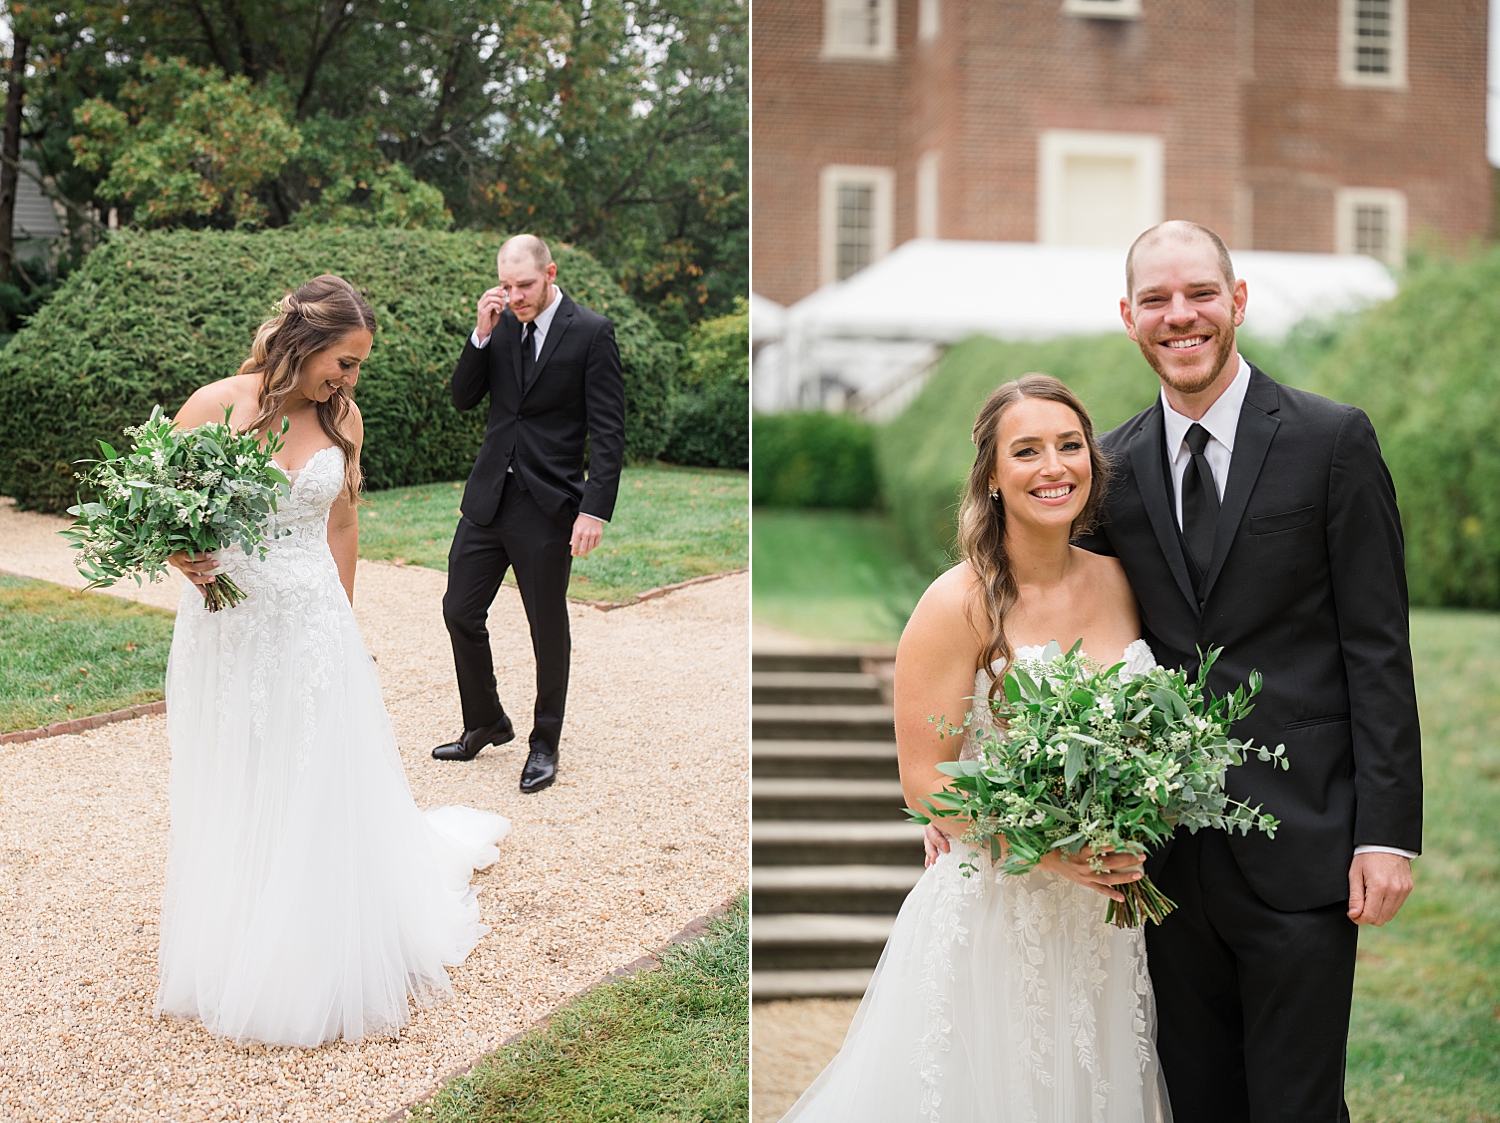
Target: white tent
[{"x": 866, "y": 342}]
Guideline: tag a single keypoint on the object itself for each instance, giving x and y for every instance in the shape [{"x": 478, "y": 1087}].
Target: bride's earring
[{"x": 995, "y": 494}]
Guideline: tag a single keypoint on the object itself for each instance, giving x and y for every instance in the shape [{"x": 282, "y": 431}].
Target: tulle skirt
[
  {"x": 998, "y": 999},
  {"x": 306, "y": 896}
]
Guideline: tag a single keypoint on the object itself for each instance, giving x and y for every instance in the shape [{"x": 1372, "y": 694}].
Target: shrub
[
  {"x": 813, "y": 460},
  {"x": 150, "y": 317},
  {"x": 925, "y": 454},
  {"x": 711, "y": 409},
  {"x": 1426, "y": 368}
]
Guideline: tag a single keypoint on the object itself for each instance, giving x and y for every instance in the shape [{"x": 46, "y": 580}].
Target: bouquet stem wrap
[
  {"x": 1090, "y": 761},
  {"x": 197, "y": 490}
]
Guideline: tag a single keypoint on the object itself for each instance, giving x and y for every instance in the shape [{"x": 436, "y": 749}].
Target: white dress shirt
[
  {"x": 1221, "y": 421},
  {"x": 543, "y": 323}
]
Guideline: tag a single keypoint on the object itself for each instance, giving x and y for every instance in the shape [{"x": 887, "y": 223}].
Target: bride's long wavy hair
[
  {"x": 981, "y": 520},
  {"x": 309, "y": 320}
]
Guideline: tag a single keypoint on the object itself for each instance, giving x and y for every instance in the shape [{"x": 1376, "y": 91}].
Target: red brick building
[{"x": 1305, "y": 125}]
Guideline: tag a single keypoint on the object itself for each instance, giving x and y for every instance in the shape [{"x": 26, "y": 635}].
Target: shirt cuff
[
  {"x": 596, "y": 518},
  {"x": 1358, "y": 850},
  {"x": 474, "y": 339}
]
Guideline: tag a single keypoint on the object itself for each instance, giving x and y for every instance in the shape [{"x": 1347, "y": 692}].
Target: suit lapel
[
  {"x": 1252, "y": 440},
  {"x": 1146, "y": 460},
  {"x": 560, "y": 321}
]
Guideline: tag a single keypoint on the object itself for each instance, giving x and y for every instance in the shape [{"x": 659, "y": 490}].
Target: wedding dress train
[
  {"x": 306, "y": 896},
  {"x": 1000, "y": 999}
]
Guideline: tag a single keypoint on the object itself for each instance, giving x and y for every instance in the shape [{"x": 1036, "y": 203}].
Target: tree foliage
[
  {"x": 619, "y": 126},
  {"x": 711, "y": 409}
]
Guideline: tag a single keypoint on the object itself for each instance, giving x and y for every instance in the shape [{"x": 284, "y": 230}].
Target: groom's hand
[
  {"x": 491, "y": 304},
  {"x": 587, "y": 531},
  {"x": 1379, "y": 884}
]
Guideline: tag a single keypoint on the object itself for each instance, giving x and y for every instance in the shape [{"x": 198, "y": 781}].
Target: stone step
[
  {"x": 825, "y": 662},
  {"x": 825, "y": 889},
  {"x": 804, "y": 688},
  {"x": 811, "y": 798},
  {"x": 787, "y": 842},
  {"x": 822, "y": 723},
  {"x": 817, "y": 941},
  {"x": 848, "y": 983},
  {"x": 870, "y": 760}
]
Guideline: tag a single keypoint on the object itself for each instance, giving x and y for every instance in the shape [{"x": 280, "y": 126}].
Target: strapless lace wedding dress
[
  {"x": 1000, "y": 999},
  {"x": 306, "y": 896}
]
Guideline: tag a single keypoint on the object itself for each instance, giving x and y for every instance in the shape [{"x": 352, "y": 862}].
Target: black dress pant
[
  {"x": 1252, "y": 1003},
  {"x": 538, "y": 546}
]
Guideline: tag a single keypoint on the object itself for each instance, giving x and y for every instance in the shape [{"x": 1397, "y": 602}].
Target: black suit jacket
[
  {"x": 575, "y": 393},
  {"x": 1307, "y": 585}
]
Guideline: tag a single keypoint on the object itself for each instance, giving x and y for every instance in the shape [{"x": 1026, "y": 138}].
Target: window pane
[
  {"x": 1372, "y": 36},
  {"x": 858, "y": 23},
  {"x": 1372, "y": 230},
  {"x": 856, "y": 229}
]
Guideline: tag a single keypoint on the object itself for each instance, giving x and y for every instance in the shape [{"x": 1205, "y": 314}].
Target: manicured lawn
[
  {"x": 665, "y": 1045},
  {"x": 1424, "y": 1045},
  {"x": 65, "y": 654},
  {"x": 669, "y": 524},
  {"x": 832, "y": 575}
]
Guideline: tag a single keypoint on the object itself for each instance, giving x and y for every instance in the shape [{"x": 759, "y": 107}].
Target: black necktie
[
  {"x": 1200, "y": 501},
  {"x": 528, "y": 352}
]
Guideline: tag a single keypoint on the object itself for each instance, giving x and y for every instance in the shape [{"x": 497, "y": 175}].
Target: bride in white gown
[
  {"x": 306, "y": 896},
  {"x": 1003, "y": 999}
]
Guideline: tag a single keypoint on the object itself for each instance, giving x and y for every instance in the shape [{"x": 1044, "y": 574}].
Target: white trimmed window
[
  {"x": 1103, "y": 9},
  {"x": 927, "y": 195},
  {"x": 856, "y": 219},
  {"x": 1372, "y": 43},
  {"x": 859, "y": 29},
  {"x": 929, "y": 20},
  {"x": 1370, "y": 220},
  {"x": 1097, "y": 189}
]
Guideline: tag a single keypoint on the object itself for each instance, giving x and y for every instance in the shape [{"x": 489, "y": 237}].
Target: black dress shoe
[
  {"x": 540, "y": 770},
  {"x": 467, "y": 747}
]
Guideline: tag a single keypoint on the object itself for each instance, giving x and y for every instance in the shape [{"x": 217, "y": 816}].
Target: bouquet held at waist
[
  {"x": 196, "y": 490},
  {"x": 1080, "y": 756}
]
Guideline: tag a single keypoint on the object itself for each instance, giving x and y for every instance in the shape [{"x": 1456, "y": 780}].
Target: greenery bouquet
[
  {"x": 1080, "y": 756},
  {"x": 197, "y": 490}
]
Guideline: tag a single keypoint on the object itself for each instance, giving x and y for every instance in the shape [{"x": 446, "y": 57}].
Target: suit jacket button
[{"x": 520, "y": 417}]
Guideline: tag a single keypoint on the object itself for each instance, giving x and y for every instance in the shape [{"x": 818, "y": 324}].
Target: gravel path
[
  {"x": 645, "y": 829},
  {"x": 792, "y": 1042}
]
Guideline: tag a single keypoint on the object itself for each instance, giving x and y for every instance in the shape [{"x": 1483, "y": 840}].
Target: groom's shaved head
[
  {"x": 1182, "y": 231},
  {"x": 525, "y": 247}
]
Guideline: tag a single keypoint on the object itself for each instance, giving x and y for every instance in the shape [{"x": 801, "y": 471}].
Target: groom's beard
[{"x": 1190, "y": 385}]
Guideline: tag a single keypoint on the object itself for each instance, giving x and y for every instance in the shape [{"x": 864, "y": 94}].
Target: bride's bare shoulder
[
  {"x": 1106, "y": 577},
  {"x": 207, "y": 403},
  {"x": 948, "y": 605}
]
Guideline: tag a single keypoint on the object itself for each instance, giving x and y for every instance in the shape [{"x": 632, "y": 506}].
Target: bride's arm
[
  {"x": 935, "y": 665},
  {"x": 343, "y": 517}
]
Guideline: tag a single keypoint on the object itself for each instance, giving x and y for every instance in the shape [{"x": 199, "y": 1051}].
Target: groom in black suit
[
  {"x": 1262, "y": 519},
  {"x": 552, "y": 373}
]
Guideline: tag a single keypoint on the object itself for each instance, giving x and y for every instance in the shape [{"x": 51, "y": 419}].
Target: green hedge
[
  {"x": 1426, "y": 368},
  {"x": 813, "y": 460},
  {"x": 149, "y": 317},
  {"x": 925, "y": 454},
  {"x": 711, "y": 409}
]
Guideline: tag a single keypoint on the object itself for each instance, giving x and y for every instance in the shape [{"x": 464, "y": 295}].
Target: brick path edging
[
  {"x": 689, "y": 932},
  {"x": 608, "y": 605},
  {"x": 79, "y": 724}
]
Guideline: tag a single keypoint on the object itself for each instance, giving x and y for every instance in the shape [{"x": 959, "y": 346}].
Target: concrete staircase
[{"x": 833, "y": 856}]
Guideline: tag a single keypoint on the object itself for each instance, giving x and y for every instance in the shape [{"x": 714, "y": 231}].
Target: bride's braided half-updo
[
  {"x": 981, "y": 520},
  {"x": 307, "y": 321}
]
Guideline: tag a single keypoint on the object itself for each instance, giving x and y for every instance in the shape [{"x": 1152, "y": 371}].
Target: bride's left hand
[{"x": 1119, "y": 869}]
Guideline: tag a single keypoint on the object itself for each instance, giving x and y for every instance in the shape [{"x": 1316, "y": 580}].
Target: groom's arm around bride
[{"x": 552, "y": 372}]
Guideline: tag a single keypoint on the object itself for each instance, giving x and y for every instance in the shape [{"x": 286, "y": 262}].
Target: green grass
[
  {"x": 1425, "y": 1042},
  {"x": 670, "y": 524},
  {"x": 665, "y": 1045},
  {"x": 65, "y": 654},
  {"x": 834, "y": 575}
]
